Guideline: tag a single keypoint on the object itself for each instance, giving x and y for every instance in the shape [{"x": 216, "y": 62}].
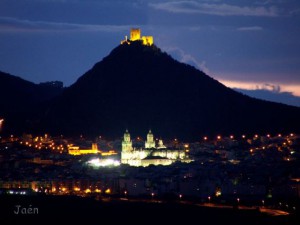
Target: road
[{"x": 269, "y": 211}]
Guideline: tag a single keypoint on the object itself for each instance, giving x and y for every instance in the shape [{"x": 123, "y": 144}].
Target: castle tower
[
  {"x": 150, "y": 143},
  {"x": 135, "y": 34},
  {"x": 127, "y": 143}
]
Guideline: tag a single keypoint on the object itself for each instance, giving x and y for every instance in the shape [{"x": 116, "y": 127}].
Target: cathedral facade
[{"x": 151, "y": 154}]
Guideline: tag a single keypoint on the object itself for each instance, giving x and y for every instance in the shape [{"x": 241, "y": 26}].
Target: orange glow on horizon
[{"x": 294, "y": 88}]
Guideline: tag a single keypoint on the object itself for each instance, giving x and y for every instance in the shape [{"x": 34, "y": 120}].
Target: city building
[
  {"x": 151, "y": 154},
  {"x": 74, "y": 150}
]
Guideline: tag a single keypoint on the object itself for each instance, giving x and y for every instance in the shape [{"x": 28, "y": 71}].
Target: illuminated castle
[
  {"x": 135, "y": 35},
  {"x": 151, "y": 154}
]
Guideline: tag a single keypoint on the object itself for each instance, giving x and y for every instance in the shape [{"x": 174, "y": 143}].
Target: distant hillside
[
  {"x": 273, "y": 96},
  {"x": 21, "y": 99},
  {"x": 140, "y": 87}
]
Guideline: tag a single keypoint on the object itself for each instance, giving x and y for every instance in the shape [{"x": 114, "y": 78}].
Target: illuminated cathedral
[{"x": 151, "y": 154}]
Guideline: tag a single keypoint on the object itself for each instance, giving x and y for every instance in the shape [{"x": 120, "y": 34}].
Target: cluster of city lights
[
  {"x": 284, "y": 143},
  {"x": 41, "y": 145},
  {"x": 78, "y": 190},
  {"x": 103, "y": 162},
  {"x": 11, "y": 192},
  {"x": 219, "y": 137}
]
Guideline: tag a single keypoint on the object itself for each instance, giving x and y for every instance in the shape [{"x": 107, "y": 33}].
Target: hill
[
  {"x": 21, "y": 100},
  {"x": 140, "y": 87}
]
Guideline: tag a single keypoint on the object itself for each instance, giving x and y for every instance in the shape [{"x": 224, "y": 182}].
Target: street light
[
  {"x": 208, "y": 199},
  {"x": 180, "y": 196}
]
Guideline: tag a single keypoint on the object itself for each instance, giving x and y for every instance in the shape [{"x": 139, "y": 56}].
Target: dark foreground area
[{"x": 78, "y": 210}]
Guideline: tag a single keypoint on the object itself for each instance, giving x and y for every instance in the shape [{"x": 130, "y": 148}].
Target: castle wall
[{"x": 147, "y": 40}]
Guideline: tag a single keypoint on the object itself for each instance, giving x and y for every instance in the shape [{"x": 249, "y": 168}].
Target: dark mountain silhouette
[
  {"x": 21, "y": 100},
  {"x": 140, "y": 88}
]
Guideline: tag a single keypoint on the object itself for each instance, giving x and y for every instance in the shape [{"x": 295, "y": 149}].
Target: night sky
[{"x": 243, "y": 44}]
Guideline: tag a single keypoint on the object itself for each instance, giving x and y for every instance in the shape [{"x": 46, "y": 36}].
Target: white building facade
[{"x": 151, "y": 154}]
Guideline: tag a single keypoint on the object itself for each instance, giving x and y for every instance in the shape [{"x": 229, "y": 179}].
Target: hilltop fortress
[{"x": 135, "y": 35}]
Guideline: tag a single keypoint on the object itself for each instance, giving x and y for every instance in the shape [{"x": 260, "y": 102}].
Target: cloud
[
  {"x": 269, "y": 87},
  {"x": 279, "y": 87},
  {"x": 284, "y": 93},
  {"x": 180, "y": 55},
  {"x": 254, "y": 28},
  {"x": 9, "y": 24},
  {"x": 295, "y": 11},
  {"x": 193, "y": 7}
]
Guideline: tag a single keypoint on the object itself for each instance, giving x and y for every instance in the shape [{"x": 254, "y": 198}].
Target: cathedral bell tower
[
  {"x": 127, "y": 149},
  {"x": 150, "y": 143},
  {"x": 126, "y": 143}
]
